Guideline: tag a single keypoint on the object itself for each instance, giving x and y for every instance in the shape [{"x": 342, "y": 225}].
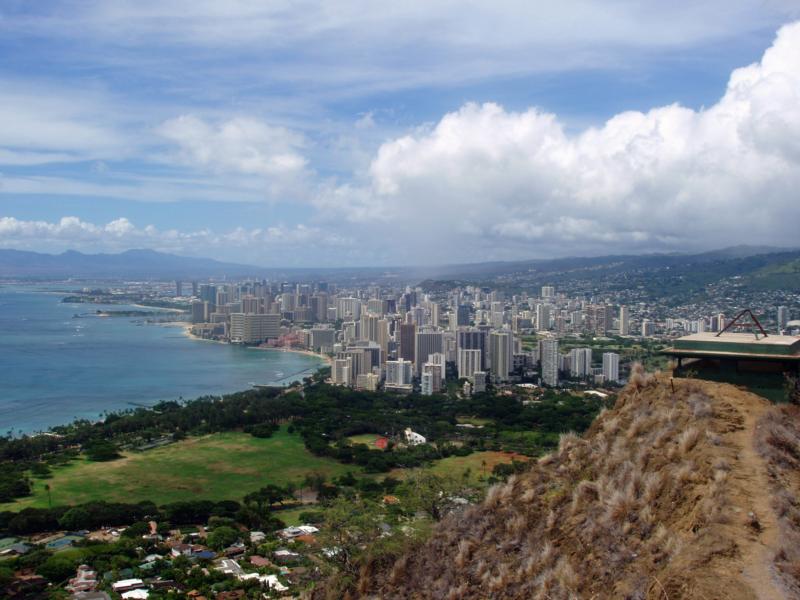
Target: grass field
[
  {"x": 214, "y": 467},
  {"x": 480, "y": 464}
]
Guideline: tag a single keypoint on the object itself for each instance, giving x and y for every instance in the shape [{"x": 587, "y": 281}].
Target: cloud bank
[{"x": 484, "y": 178}]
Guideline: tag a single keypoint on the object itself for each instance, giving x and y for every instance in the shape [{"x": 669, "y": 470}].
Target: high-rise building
[
  {"x": 198, "y": 311},
  {"x": 426, "y": 343},
  {"x": 542, "y": 317},
  {"x": 208, "y": 293},
  {"x": 462, "y": 315},
  {"x": 407, "y": 339},
  {"x": 548, "y": 291},
  {"x": 550, "y": 361},
  {"x": 648, "y": 328},
  {"x": 501, "y": 349},
  {"x": 398, "y": 373},
  {"x": 783, "y": 317},
  {"x": 253, "y": 328},
  {"x": 341, "y": 371},
  {"x": 611, "y": 366},
  {"x": 322, "y": 339},
  {"x": 474, "y": 339},
  {"x": 431, "y": 380},
  {"x": 377, "y": 306},
  {"x": 348, "y": 309},
  {"x": 438, "y": 359},
  {"x": 624, "y": 320},
  {"x": 179, "y": 288},
  {"x": 369, "y": 326},
  {"x": 580, "y": 362},
  {"x": 469, "y": 362}
]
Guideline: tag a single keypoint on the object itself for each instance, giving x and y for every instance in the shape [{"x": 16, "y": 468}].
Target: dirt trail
[{"x": 750, "y": 494}]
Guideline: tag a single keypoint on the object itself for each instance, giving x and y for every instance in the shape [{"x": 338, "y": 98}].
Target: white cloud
[
  {"x": 242, "y": 145},
  {"x": 510, "y": 183},
  {"x": 260, "y": 244},
  {"x": 360, "y": 46},
  {"x": 48, "y": 123}
]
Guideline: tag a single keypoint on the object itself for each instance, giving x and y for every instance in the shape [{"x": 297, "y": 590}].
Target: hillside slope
[{"x": 686, "y": 489}]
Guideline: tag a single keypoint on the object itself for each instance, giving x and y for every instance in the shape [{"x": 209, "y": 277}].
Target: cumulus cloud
[
  {"x": 484, "y": 178},
  {"x": 259, "y": 244}
]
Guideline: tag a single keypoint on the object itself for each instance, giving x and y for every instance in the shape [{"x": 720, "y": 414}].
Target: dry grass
[
  {"x": 637, "y": 508},
  {"x": 778, "y": 442}
]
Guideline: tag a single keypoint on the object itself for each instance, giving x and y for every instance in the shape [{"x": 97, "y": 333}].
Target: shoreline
[{"x": 187, "y": 331}]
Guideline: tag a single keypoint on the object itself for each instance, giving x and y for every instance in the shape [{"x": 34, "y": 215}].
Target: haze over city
[{"x": 308, "y": 135}]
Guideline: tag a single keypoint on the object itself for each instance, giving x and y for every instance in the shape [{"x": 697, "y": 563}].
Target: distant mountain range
[
  {"x": 758, "y": 266},
  {"x": 131, "y": 264}
]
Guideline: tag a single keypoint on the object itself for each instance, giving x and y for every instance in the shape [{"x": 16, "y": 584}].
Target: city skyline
[{"x": 429, "y": 134}]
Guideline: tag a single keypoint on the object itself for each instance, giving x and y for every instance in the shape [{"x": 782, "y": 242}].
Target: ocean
[{"x": 55, "y": 367}]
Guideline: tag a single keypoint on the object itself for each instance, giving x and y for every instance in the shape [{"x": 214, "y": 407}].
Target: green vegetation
[
  {"x": 214, "y": 467},
  {"x": 476, "y": 466}
]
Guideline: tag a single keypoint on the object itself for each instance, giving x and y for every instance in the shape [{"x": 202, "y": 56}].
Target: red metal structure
[{"x": 736, "y": 323}]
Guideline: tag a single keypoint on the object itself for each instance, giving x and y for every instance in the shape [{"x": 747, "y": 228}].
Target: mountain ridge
[{"x": 153, "y": 264}]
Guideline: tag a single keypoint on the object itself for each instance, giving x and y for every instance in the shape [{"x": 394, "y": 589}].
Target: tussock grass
[{"x": 603, "y": 515}]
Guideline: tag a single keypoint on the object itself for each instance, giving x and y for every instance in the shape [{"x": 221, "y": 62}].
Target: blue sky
[{"x": 350, "y": 133}]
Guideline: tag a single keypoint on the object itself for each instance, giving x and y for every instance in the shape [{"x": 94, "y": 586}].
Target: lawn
[{"x": 214, "y": 467}]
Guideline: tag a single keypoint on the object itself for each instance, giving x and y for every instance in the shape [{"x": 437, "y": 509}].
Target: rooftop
[{"x": 738, "y": 344}]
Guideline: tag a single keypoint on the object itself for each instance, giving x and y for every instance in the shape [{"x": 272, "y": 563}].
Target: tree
[
  {"x": 76, "y": 518},
  {"x": 430, "y": 493},
  {"x": 222, "y": 537},
  {"x": 350, "y": 527},
  {"x": 101, "y": 451},
  {"x": 56, "y": 569}
]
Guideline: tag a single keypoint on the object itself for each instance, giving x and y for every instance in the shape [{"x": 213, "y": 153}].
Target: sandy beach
[{"x": 187, "y": 330}]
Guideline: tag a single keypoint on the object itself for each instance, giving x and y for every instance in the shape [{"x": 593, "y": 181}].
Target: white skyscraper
[
  {"x": 469, "y": 361},
  {"x": 611, "y": 366},
  {"x": 398, "y": 372},
  {"x": 341, "y": 371},
  {"x": 624, "y": 320},
  {"x": 501, "y": 346},
  {"x": 550, "y": 361},
  {"x": 580, "y": 362},
  {"x": 542, "y": 317}
]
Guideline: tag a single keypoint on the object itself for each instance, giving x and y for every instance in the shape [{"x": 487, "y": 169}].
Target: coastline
[{"x": 187, "y": 331}]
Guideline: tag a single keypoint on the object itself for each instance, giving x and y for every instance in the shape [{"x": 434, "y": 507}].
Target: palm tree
[{"x": 49, "y": 498}]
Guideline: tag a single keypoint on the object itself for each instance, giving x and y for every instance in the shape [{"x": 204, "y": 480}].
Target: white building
[
  {"x": 249, "y": 328},
  {"x": 611, "y": 366},
  {"x": 479, "y": 382},
  {"x": 580, "y": 362},
  {"x": 501, "y": 349},
  {"x": 624, "y": 320},
  {"x": 413, "y": 438},
  {"x": 398, "y": 372},
  {"x": 469, "y": 361},
  {"x": 341, "y": 371},
  {"x": 550, "y": 361}
]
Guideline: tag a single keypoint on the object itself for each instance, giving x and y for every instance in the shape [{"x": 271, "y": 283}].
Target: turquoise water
[{"x": 55, "y": 368}]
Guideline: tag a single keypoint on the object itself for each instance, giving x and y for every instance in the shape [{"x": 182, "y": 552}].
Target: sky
[{"x": 357, "y": 133}]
